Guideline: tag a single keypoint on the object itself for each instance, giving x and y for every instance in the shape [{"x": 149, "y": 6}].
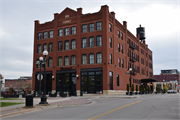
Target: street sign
[{"x": 39, "y": 76}]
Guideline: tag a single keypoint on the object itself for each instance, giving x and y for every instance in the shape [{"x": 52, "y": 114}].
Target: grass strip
[
  {"x": 4, "y": 104},
  {"x": 11, "y": 99}
]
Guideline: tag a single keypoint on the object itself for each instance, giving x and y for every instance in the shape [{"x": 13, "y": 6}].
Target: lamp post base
[{"x": 43, "y": 100}]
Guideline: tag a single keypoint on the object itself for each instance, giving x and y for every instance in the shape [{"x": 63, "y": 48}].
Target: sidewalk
[{"x": 54, "y": 102}]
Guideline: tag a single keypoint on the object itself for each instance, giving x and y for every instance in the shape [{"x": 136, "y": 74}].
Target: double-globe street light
[
  {"x": 130, "y": 72},
  {"x": 43, "y": 61}
]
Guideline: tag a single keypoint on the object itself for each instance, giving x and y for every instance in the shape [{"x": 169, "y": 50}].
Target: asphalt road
[{"x": 156, "y": 107}]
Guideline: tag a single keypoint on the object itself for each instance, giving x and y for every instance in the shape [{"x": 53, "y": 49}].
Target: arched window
[
  {"x": 60, "y": 60},
  {"x": 84, "y": 59},
  {"x": 73, "y": 60},
  {"x": 91, "y": 58},
  {"x": 50, "y": 47},
  {"x": 39, "y": 49},
  {"x": 98, "y": 41},
  {"x": 60, "y": 46},
  {"x": 66, "y": 45},
  {"x": 66, "y": 61},
  {"x": 99, "y": 58}
]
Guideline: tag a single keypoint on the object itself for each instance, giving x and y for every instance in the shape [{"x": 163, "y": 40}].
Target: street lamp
[
  {"x": 40, "y": 62},
  {"x": 43, "y": 97},
  {"x": 130, "y": 70}
]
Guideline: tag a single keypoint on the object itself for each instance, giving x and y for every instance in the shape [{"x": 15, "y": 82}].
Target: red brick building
[
  {"x": 89, "y": 53},
  {"x": 171, "y": 75},
  {"x": 18, "y": 83}
]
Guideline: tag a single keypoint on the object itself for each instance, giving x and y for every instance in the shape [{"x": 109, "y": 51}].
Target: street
[{"x": 151, "y": 106}]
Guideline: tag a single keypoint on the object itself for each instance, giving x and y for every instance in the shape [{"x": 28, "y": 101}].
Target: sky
[{"x": 161, "y": 19}]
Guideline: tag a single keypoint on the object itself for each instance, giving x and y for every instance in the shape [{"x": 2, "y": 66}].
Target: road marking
[{"x": 96, "y": 117}]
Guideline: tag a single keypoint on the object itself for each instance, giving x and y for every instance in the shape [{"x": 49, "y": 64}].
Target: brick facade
[{"x": 122, "y": 47}]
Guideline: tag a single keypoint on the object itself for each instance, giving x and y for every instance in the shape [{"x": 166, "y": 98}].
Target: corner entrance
[{"x": 66, "y": 82}]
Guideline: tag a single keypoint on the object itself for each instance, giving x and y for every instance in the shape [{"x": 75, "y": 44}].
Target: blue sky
[{"x": 161, "y": 20}]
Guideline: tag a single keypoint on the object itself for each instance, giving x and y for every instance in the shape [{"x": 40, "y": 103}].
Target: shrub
[
  {"x": 136, "y": 88},
  {"x": 127, "y": 88},
  {"x": 132, "y": 88}
]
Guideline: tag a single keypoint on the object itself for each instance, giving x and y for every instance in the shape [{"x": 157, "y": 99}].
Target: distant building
[
  {"x": 171, "y": 75},
  {"x": 18, "y": 83}
]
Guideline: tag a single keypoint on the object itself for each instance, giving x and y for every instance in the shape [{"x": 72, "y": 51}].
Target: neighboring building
[
  {"x": 171, "y": 85},
  {"x": 18, "y": 83},
  {"x": 89, "y": 53},
  {"x": 171, "y": 75}
]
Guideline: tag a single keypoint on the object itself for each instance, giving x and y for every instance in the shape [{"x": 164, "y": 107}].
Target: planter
[
  {"x": 127, "y": 93},
  {"x": 136, "y": 93},
  {"x": 131, "y": 93}
]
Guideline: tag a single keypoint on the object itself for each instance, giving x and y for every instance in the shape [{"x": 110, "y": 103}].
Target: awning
[{"x": 146, "y": 80}]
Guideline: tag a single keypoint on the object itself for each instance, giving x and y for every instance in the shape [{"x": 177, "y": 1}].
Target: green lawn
[
  {"x": 11, "y": 99},
  {"x": 4, "y": 104}
]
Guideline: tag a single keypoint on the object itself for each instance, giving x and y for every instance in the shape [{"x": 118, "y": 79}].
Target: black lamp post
[
  {"x": 130, "y": 72},
  {"x": 43, "y": 97},
  {"x": 40, "y": 62}
]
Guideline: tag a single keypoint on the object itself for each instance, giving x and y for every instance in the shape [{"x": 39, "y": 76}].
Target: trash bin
[{"x": 29, "y": 100}]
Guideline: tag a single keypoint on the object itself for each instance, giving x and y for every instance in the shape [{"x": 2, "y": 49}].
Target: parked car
[{"x": 170, "y": 91}]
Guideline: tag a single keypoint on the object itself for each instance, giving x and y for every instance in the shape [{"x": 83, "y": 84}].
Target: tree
[{"x": 127, "y": 88}]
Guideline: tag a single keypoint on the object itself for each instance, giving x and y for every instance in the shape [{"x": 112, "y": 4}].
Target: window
[
  {"x": 60, "y": 32},
  {"x": 110, "y": 58},
  {"x": 44, "y": 47},
  {"x": 122, "y": 63},
  {"x": 110, "y": 27},
  {"x": 66, "y": 31},
  {"x": 60, "y": 46},
  {"x": 73, "y": 60},
  {"x": 51, "y": 34},
  {"x": 66, "y": 45},
  {"x": 44, "y": 35},
  {"x": 98, "y": 26},
  {"x": 118, "y": 34},
  {"x": 84, "y": 59},
  {"x": 39, "y": 36},
  {"x": 84, "y": 43},
  {"x": 91, "y": 27},
  {"x": 119, "y": 62},
  {"x": 122, "y": 49},
  {"x": 73, "y": 30},
  {"x": 91, "y": 42},
  {"x": 66, "y": 60},
  {"x": 121, "y": 36},
  {"x": 91, "y": 58},
  {"x": 39, "y": 49},
  {"x": 118, "y": 47},
  {"x": 110, "y": 80},
  {"x": 60, "y": 61},
  {"x": 98, "y": 41},
  {"x": 110, "y": 42},
  {"x": 50, "y": 62},
  {"x": 99, "y": 57},
  {"x": 73, "y": 44},
  {"x": 117, "y": 78},
  {"x": 50, "y": 47},
  {"x": 84, "y": 28}
]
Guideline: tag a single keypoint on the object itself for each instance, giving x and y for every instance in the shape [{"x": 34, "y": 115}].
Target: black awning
[{"x": 146, "y": 80}]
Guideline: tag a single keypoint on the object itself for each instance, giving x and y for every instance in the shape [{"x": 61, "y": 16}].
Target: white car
[{"x": 170, "y": 91}]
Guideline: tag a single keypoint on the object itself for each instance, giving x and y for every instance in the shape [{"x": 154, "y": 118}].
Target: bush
[
  {"x": 139, "y": 88},
  {"x": 136, "y": 88},
  {"x": 127, "y": 88},
  {"x": 132, "y": 88}
]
